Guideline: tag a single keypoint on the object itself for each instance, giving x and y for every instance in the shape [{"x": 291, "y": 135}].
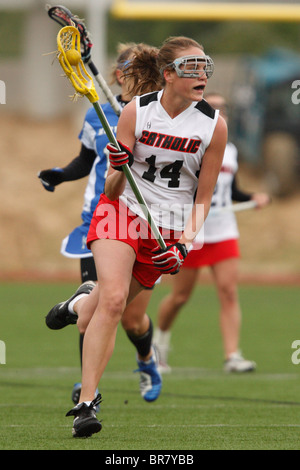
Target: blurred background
[{"x": 255, "y": 47}]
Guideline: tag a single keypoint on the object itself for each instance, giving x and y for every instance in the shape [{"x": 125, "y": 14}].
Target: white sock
[
  {"x": 73, "y": 302},
  {"x": 161, "y": 339},
  {"x": 86, "y": 402}
]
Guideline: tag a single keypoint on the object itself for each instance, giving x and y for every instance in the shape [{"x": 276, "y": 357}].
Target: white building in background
[{"x": 34, "y": 83}]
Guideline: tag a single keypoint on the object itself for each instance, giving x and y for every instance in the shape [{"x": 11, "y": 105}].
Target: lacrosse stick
[
  {"x": 241, "y": 206},
  {"x": 68, "y": 43},
  {"x": 65, "y": 17}
]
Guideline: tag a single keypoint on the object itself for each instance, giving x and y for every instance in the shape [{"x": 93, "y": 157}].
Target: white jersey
[
  {"x": 167, "y": 158},
  {"x": 222, "y": 225}
]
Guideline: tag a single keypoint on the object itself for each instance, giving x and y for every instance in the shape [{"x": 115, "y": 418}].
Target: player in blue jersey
[{"x": 93, "y": 161}]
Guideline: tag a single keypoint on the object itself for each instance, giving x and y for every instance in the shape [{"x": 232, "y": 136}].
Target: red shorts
[
  {"x": 113, "y": 220},
  {"x": 212, "y": 253}
]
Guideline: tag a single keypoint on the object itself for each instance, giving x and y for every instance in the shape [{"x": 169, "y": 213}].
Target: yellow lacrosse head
[{"x": 69, "y": 56}]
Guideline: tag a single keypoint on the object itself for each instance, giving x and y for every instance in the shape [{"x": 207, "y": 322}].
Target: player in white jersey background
[
  {"x": 221, "y": 253},
  {"x": 93, "y": 162},
  {"x": 182, "y": 154}
]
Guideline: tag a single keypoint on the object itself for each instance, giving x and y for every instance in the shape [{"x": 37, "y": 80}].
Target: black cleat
[
  {"x": 85, "y": 422},
  {"x": 76, "y": 395},
  {"x": 59, "y": 316}
]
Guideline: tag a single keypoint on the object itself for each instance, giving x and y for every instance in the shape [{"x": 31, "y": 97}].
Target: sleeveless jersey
[
  {"x": 93, "y": 137},
  {"x": 223, "y": 225},
  {"x": 167, "y": 158}
]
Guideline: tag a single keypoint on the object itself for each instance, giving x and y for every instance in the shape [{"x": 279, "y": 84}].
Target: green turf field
[{"x": 201, "y": 408}]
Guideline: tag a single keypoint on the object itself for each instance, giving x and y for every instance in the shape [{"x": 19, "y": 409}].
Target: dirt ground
[{"x": 34, "y": 221}]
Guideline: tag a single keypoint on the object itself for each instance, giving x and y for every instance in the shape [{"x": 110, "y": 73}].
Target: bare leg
[
  {"x": 114, "y": 261},
  {"x": 182, "y": 286},
  {"x": 226, "y": 279},
  {"x": 135, "y": 321}
]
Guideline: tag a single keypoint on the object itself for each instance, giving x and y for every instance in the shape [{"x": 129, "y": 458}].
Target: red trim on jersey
[
  {"x": 212, "y": 253},
  {"x": 227, "y": 169}
]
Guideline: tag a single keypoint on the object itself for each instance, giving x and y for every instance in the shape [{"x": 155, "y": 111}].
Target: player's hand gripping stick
[
  {"x": 170, "y": 259},
  {"x": 118, "y": 158}
]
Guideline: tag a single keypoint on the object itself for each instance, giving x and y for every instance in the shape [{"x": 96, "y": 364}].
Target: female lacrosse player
[
  {"x": 220, "y": 252},
  {"x": 174, "y": 143}
]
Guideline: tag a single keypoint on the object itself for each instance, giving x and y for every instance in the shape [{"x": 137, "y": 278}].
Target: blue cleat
[{"x": 150, "y": 379}]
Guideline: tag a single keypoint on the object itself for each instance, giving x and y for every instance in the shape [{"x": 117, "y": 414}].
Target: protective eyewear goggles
[{"x": 192, "y": 66}]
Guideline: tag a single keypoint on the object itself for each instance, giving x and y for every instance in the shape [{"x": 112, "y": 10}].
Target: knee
[
  {"x": 131, "y": 325},
  {"x": 111, "y": 306},
  {"x": 133, "y": 317},
  {"x": 82, "y": 326},
  {"x": 114, "y": 304},
  {"x": 180, "y": 299},
  {"x": 228, "y": 293}
]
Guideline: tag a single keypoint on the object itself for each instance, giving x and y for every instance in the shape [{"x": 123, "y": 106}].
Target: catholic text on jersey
[{"x": 170, "y": 142}]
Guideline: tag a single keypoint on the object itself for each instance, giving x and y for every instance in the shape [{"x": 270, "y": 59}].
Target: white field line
[
  {"x": 216, "y": 425},
  {"x": 177, "y": 373}
]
